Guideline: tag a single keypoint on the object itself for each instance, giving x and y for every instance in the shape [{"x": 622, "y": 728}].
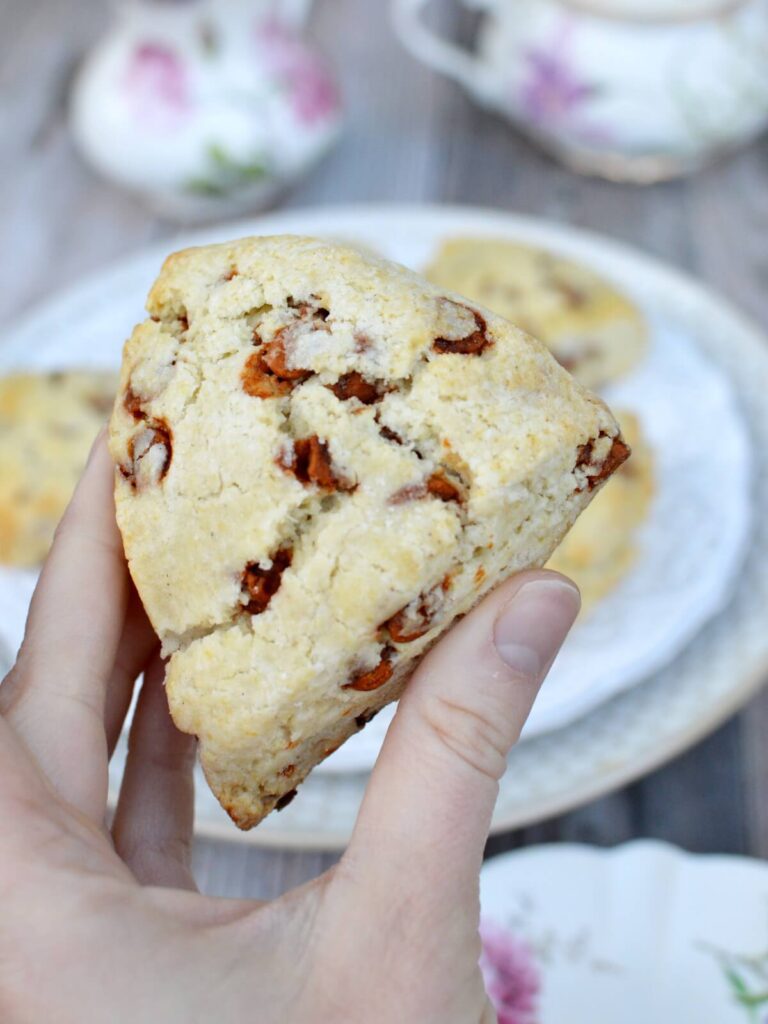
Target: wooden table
[{"x": 411, "y": 136}]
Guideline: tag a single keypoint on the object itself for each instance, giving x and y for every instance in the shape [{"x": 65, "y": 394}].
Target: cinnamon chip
[
  {"x": 574, "y": 297},
  {"x": 285, "y": 800},
  {"x": 363, "y": 719},
  {"x": 355, "y": 385},
  {"x": 259, "y": 381},
  {"x": 473, "y": 344},
  {"x": 310, "y": 462},
  {"x": 390, "y": 435},
  {"x": 439, "y": 486},
  {"x": 372, "y": 679},
  {"x": 310, "y": 310},
  {"x": 273, "y": 356},
  {"x": 133, "y": 404},
  {"x": 154, "y": 435},
  {"x": 261, "y": 585},
  {"x": 619, "y": 453},
  {"x": 416, "y": 618}
]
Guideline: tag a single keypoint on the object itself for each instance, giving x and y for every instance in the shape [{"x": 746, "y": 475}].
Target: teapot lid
[{"x": 656, "y": 10}]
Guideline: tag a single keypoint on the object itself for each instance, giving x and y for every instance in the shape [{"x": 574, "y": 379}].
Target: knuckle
[{"x": 470, "y": 734}]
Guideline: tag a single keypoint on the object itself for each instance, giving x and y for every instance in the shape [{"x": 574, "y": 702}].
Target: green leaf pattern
[
  {"x": 226, "y": 174},
  {"x": 747, "y": 979}
]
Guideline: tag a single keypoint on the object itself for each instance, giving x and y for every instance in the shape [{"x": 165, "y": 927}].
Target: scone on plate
[
  {"x": 602, "y": 546},
  {"x": 591, "y": 328},
  {"x": 321, "y": 461},
  {"x": 48, "y": 422}
]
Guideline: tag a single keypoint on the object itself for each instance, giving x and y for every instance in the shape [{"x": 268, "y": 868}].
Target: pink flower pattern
[
  {"x": 552, "y": 95},
  {"x": 511, "y": 975},
  {"x": 156, "y": 85},
  {"x": 552, "y": 91},
  {"x": 301, "y": 72}
]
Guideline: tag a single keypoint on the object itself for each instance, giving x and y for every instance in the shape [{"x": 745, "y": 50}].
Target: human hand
[{"x": 105, "y": 925}]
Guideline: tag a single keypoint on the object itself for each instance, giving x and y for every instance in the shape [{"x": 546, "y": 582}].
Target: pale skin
[{"x": 105, "y": 924}]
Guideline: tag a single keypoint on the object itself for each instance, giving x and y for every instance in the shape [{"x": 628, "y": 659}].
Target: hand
[{"x": 105, "y": 925}]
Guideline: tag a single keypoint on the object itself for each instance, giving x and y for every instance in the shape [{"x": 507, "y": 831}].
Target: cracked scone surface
[{"x": 322, "y": 461}]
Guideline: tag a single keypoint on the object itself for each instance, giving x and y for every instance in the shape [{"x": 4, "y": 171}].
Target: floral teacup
[
  {"x": 206, "y": 107},
  {"x": 629, "y": 89}
]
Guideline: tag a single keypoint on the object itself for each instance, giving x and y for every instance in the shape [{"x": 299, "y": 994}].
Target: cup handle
[{"x": 438, "y": 53}]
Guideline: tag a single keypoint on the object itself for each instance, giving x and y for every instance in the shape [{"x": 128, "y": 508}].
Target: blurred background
[{"x": 365, "y": 119}]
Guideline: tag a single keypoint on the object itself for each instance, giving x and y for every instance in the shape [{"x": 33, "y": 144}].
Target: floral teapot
[
  {"x": 629, "y": 89},
  {"x": 205, "y": 106}
]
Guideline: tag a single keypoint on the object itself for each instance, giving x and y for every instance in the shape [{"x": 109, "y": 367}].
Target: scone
[
  {"x": 48, "y": 422},
  {"x": 602, "y": 546},
  {"x": 321, "y": 461},
  {"x": 592, "y": 329}
]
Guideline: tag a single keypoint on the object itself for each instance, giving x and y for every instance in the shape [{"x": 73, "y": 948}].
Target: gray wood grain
[{"x": 411, "y": 135}]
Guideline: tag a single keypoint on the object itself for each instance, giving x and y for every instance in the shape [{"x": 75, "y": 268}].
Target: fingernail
[{"x": 532, "y": 626}]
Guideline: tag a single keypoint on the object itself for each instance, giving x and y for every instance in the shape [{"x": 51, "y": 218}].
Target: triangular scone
[{"x": 322, "y": 461}]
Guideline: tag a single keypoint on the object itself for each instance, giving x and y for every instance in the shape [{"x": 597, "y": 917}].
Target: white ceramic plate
[
  {"x": 695, "y": 335},
  {"x": 643, "y": 933}
]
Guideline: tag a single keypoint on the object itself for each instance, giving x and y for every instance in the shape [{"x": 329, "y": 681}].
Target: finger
[
  {"x": 155, "y": 813},
  {"x": 428, "y": 807},
  {"x": 73, "y": 630},
  {"x": 138, "y": 644},
  {"x": 25, "y": 799}
]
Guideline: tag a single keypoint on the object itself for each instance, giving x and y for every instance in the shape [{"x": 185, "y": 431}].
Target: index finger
[
  {"x": 428, "y": 805},
  {"x": 56, "y": 700}
]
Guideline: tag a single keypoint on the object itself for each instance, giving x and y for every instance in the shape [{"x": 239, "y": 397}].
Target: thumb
[{"x": 428, "y": 806}]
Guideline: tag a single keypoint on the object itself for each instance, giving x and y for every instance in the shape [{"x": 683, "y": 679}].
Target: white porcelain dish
[{"x": 641, "y": 933}]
